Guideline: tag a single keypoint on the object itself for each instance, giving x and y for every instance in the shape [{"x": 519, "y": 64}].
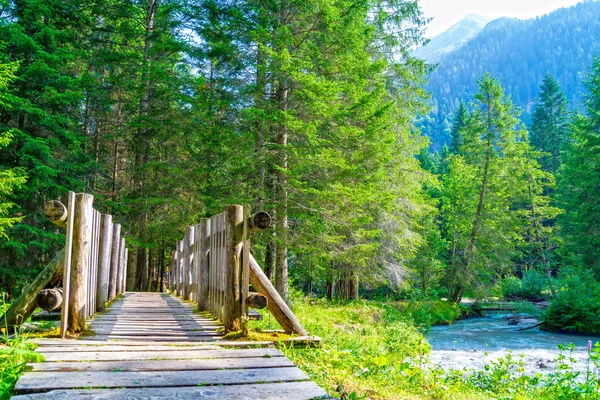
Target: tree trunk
[{"x": 282, "y": 227}]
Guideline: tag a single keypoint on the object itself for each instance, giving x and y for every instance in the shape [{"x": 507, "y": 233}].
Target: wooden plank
[
  {"x": 44, "y": 381},
  {"x": 158, "y": 324},
  {"x": 266, "y": 391},
  {"x": 119, "y": 347},
  {"x": 138, "y": 343},
  {"x": 163, "y": 365},
  {"x": 167, "y": 355},
  {"x": 154, "y": 331},
  {"x": 122, "y": 338}
]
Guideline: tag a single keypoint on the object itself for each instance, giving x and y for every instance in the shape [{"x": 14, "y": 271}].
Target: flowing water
[{"x": 465, "y": 344}]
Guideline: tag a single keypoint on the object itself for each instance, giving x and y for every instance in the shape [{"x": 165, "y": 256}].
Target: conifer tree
[
  {"x": 484, "y": 191},
  {"x": 549, "y": 128},
  {"x": 460, "y": 119},
  {"x": 579, "y": 181}
]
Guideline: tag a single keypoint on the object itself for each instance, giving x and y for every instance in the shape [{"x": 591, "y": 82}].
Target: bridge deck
[{"x": 151, "y": 345}]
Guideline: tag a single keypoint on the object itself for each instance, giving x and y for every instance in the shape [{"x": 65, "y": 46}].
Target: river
[{"x": 464, "y": 344}]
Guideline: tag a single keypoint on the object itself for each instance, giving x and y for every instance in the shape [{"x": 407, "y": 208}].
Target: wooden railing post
[
  {"x": 106, "y": 237},
  {"x": 179, "y": 276},
  {"x": 188, "y": 242},
  {"x": 114, "y": 263},
  {"x": 82, "y": 239},
  {"x": 125, "y": 265},
  {"x": 232, "y": 302},
  {"x": 121, "y": 267},
  {"x": 202, "y": 264},
  {"x": 172, "y": 270}
]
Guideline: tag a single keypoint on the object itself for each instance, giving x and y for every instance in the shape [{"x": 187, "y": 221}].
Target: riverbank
[{"x": 374, "y": 350}]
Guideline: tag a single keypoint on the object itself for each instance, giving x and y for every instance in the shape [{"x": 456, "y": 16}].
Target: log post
[
  {"x": 131, "y": 271},
  {"x": 188, "y": 242},
  {"x": 64, "y": 314},
  {"x": 204, "y": 234},
  {"x": 277, "y": 306},
  {"x": 106, "y": 237},
  {"x": 173, "y": 271},
  {"x": 196, "y": 263},
  {"x": 25, "y": 304},
  {"x": 82, "y": 237},
  {"x": 125, "y": 265},
  {"x": 244, "y": 254},
  {"x": 120, "y": 267},
  {"x": 231, "y": 311},
  {"x": 114, "y": 262},
  {"x": 179, "y": 272}
]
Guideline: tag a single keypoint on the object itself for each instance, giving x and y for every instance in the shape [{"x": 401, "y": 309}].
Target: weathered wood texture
[
  {"x": 68, "y": 261},
  {"x": 114, "y": 262},
  {"x": 49, "y": 299},
  {"x": 56, "y": 213},
  {"x": 264, "y": 391},
  {"x": 257, "y": 300},
  {"x": 277, "y": 306},
  {"x": 105, "y": 248},
  {"x": 82, "y": 240},
  {"x": 25, "y": 304},
  {"x": 135, "y": 366}
]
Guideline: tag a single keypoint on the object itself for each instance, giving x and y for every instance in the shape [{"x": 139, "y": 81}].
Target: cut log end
[
  {"x": 259, "y": 221},
  {"x": 56, "y": 213},
  {"x": 49, "y": 299},
  {"x": 256, "y": 300}
]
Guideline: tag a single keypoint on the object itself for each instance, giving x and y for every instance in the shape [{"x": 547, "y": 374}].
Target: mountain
[
  {"x": 452, "y": 39},
  {"x": 519, "y": 53}
]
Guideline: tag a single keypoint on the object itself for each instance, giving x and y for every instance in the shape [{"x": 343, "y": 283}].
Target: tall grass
[
  {"x": 374, "y": 351},
  {"x": 15, "y": 353}
]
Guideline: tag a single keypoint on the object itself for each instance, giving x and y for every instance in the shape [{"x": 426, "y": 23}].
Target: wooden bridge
[{"x": 159, "y": 345}]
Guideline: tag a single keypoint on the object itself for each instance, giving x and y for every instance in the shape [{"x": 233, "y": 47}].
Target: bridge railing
[
  {"x": 95, "y": 261},
  {"x": 213, "y": 267},
  {"x": 210, "y": 266}
]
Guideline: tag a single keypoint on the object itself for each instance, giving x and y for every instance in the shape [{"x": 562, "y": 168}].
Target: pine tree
[
  {"x": 45, "y": 39},
  {"x": 10, "y": 178},
  {"x": 460, "y": 119},
  {"x": 549, "y": 126},
  {"x": 579, "y": 181},
  {"x": 486, "y": 187}
]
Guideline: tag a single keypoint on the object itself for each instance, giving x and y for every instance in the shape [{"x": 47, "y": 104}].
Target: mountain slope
[
  {"x": 452, "y": 39},
  {"x": 519, "y": 53}
]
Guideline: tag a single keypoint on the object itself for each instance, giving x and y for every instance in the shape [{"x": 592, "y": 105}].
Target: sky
[{"x": 446, "y": 13}]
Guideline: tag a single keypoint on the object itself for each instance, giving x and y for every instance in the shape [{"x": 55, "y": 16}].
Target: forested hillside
[
  {"x": 519, "y": 53},
  {"x": 452, "y": 39}
]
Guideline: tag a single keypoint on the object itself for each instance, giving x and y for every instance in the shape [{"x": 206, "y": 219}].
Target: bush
[
  {"x": 531, "y": 287},
  {"x": 576, "y": 306}
]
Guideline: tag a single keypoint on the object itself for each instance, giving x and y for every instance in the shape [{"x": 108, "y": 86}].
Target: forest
[
  {"x": 168, "y": 111},
  {"x": 519, "y": 53}
]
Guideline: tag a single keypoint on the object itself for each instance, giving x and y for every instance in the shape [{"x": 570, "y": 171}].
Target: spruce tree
[
  {"x": 579, "y": 181},
  {"x": 549, "y": 128},
  {"x": 484, "y": 192}
]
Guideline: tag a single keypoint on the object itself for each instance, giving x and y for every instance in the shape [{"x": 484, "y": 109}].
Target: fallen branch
[{"x": 531, "y": 327}]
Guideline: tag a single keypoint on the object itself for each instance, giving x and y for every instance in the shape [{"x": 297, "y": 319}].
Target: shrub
[
  {"x": 531, "y": 287},
  {"x": 576, "y": 306}
]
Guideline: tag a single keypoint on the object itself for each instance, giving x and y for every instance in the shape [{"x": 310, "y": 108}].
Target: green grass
[
  {"x": 15, "y": 353},
  {"x": 374, "y": 351}
]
